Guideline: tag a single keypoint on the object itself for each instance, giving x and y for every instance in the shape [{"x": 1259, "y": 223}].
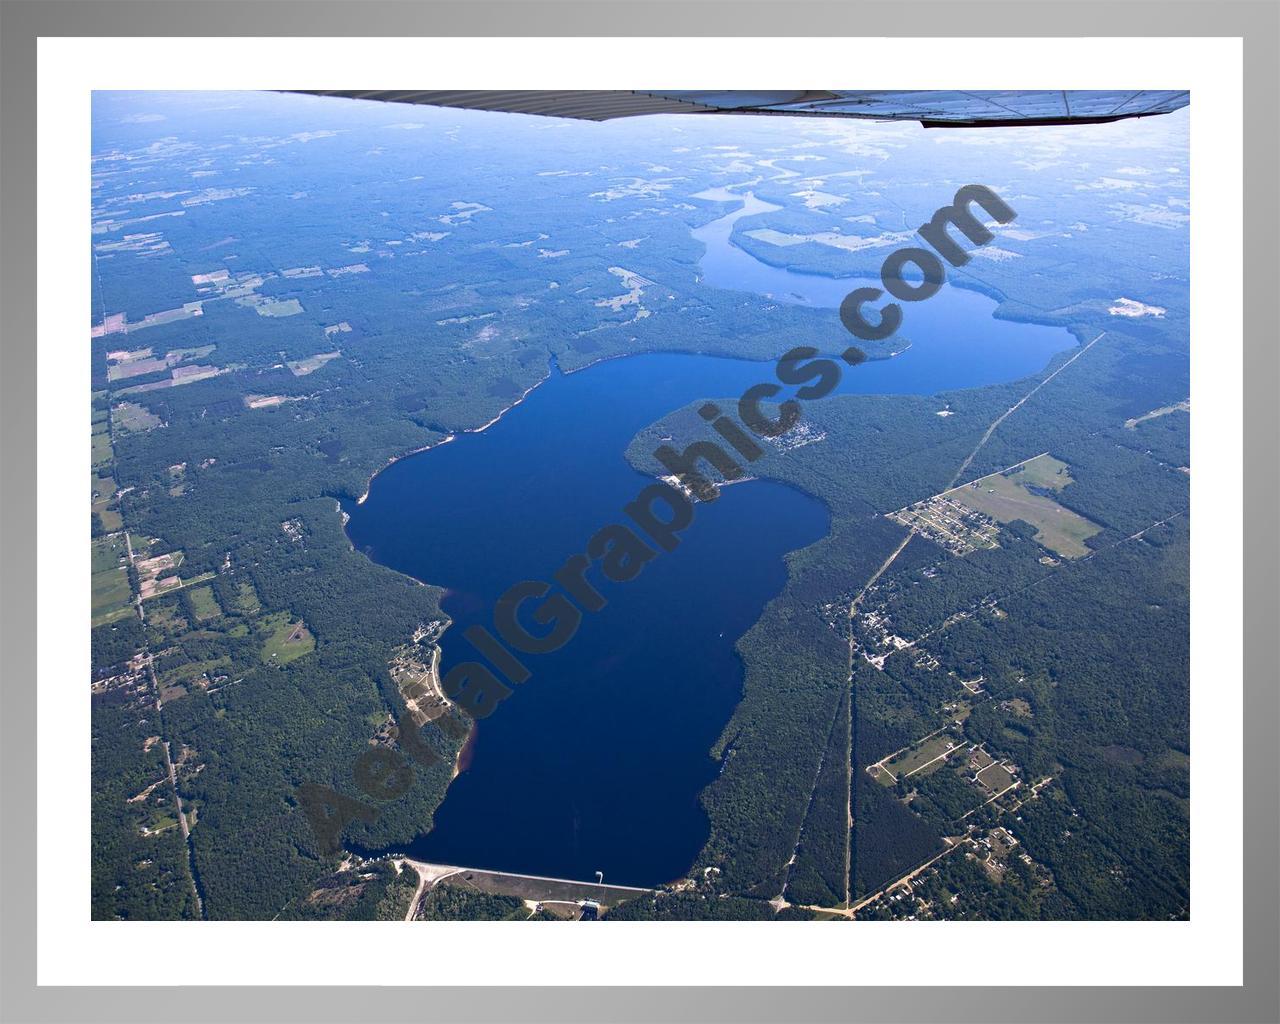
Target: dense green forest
[
  {"x": 371, "y": 892},
  {"x": 453, "y": 903}
]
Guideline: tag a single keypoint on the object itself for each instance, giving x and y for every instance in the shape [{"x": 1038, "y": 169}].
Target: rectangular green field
[
  {"x": 111, "y": 521},
  {"x": 1043, "y": 471},
  {"x": 204, "y": 603},
  {"x": 108, "y": 553},
  {"x": 135, "y": 367},
  {"x": 109, "y": 583},
  {"x": 1007, "y": 497},
  {"x": 981, "y": 759},
  {"x": 929, "y": 753},
  {"x": 104, "y": 487},
  {"x": 100, "y": 453},
  {"x": 995, "y": 779}
]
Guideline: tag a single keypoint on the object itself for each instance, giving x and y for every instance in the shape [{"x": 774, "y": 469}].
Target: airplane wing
[{"x": 933, "y": 109}]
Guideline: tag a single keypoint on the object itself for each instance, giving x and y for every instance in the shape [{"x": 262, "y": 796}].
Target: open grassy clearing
[
  {"x": 110, "y": 518},
  {"x": 277, "y": 307},
  {"x": 177, "y": 480},
  {"x": 158, "y": 584},
  {"x": 104, "y": 488},
  {"x": 1019, "y": 495},
  {"x": 924, "y": 757},
  {"x": 158, "y": 824},
  {"x": 302, "y": 367},
  {"x": 929, "y": 752},
  {"x": 1164, "y": 410},
  {"x": 104, "y": 492},
  {"x": 126, "y": 368},
  {"x": 108, "y": 554},
  {"x": 979, "y": 759},
  {"x": 109, "y": 581},
  {"x": 995, "y": 778},
  {"x": 247, "y": 599},
  {"x": 1042, "y": 471},
  {"x": 285, "y": 638},
  {"x": 100, "y": 452},
  {"x": 131, "y": 416},
  {"x": 110, "y": 598},
  {"x": 198, "y": 673},
  {"x": 178, "y": 376},
  {"x": 121, "y": 365},
  {"x": 205, "y": 604},
  {"x": 103, "y": 485}
]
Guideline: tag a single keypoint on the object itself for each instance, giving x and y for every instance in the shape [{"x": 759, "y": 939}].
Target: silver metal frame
[{"x": 23, "y": 22}]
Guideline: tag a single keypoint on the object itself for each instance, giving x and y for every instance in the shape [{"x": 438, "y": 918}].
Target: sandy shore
[
  {"x": 523, "y": 395},
  {"x": 450, "y": 437}
]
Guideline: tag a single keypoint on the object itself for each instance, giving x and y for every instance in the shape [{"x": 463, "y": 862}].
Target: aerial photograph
[{"x": 639, "y": 506}]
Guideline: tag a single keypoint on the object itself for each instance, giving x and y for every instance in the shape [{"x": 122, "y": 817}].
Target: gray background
[{"x": 1257, "y": 21}]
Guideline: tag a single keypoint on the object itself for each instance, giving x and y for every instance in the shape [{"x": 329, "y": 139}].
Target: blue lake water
[
  {"x": 954, "y": 341},
  {"x": 597, "y": 761}
]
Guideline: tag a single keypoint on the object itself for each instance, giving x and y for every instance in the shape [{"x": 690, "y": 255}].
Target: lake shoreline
[{"x": 463, "y": 824}]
